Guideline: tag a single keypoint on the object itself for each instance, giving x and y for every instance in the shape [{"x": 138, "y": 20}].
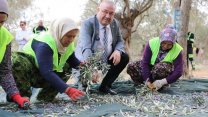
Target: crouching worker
[
  {"x": 6, "y": 78},
  {"x": 46, "y": 59},
  {"x": 161, "y": 63}
]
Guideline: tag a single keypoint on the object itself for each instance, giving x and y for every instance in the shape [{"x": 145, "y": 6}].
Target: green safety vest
[
  {"x": 38, "y": 31},
  {"x": 189, "y": 38},
  {"x": 5, "y": 38},
  {"x": 171, "y": 55},
  {"x": 48, "y": 39}
]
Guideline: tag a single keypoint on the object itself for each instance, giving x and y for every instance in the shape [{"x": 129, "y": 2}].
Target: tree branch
[
  {"x": 140, "y": 20},
  {"x": 142, "y": 9}
]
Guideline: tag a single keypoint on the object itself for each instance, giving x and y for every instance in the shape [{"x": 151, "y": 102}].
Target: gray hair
[{"x": 108, "y": 2}]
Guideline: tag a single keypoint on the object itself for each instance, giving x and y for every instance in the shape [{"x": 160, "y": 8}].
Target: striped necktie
[{"x": 105, "y": 43}]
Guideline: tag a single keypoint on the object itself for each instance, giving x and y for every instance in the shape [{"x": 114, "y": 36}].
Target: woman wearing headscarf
[
  {"x": 45, "y": 61},
  {"x": 6, "y": 78},
  {"x": 161, "y": 63}
]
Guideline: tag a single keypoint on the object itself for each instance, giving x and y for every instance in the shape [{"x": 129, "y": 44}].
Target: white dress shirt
[{"x": 109, "y": 37}]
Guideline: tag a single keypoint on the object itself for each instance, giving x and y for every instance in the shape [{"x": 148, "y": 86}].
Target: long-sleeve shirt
[
  {"x": 44, "y": 55},
  {"x": 6, "y": 78},
  {"x": 22, "y": 37},
  {"x": 146, "y": 67}
]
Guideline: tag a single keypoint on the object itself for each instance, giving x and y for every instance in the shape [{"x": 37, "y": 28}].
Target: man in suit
[{"x": 101, "y": 32}]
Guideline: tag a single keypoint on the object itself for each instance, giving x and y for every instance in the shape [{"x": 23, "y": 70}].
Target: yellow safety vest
[
  {"x": 48, "y": 39},
  {"x": 5, "y": 38},
  {"x": 171, "y": 55}
]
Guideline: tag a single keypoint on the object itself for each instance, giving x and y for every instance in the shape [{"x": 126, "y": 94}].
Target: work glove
[
  {"x": 74, "y": 93},
  {"x": 159, "y": 83},
  {"x": 21, "y": 101}
]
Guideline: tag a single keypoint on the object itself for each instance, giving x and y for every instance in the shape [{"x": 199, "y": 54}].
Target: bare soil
[{"x": 201, "y": 71}]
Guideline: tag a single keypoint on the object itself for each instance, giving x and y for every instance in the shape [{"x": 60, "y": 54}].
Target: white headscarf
[{"x": 58, "y": 28}]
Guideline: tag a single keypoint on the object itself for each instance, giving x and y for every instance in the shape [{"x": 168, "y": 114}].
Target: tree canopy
[{"x": 16, "y": 10}]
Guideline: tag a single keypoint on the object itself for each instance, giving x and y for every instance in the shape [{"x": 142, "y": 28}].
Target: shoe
[{"x": 107, "y": 91}]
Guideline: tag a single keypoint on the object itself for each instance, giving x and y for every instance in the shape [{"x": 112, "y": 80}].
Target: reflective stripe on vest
[
  {"x": 5, "y": 38},
  {"x": 171, "y": 55},
  {"x": 48, "y": 39},
  {"x": 190, "y": 56},
  {"x": 38, "y": 31}
]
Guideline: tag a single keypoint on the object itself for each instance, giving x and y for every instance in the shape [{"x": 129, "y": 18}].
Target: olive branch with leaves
[{"x": 93, "y": 64}]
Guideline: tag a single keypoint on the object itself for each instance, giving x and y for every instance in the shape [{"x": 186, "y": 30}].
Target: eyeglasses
[{"x": 105, "y": 12}]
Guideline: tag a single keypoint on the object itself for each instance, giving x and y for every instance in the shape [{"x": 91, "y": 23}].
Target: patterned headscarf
[
  {"x": 168, "y": 34},
  {"x": 58, "y": 28}
]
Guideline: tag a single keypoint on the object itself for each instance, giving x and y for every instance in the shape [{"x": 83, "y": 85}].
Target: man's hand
[
  {"x": 82, "y": 63},
  {"x": 159, "y": 83},
  {"x": 116, "y": 56},
  {"x": 96, "y": 76}
]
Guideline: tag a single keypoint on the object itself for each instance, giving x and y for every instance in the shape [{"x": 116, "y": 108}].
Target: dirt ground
[{"x": 201, "y": 71}]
